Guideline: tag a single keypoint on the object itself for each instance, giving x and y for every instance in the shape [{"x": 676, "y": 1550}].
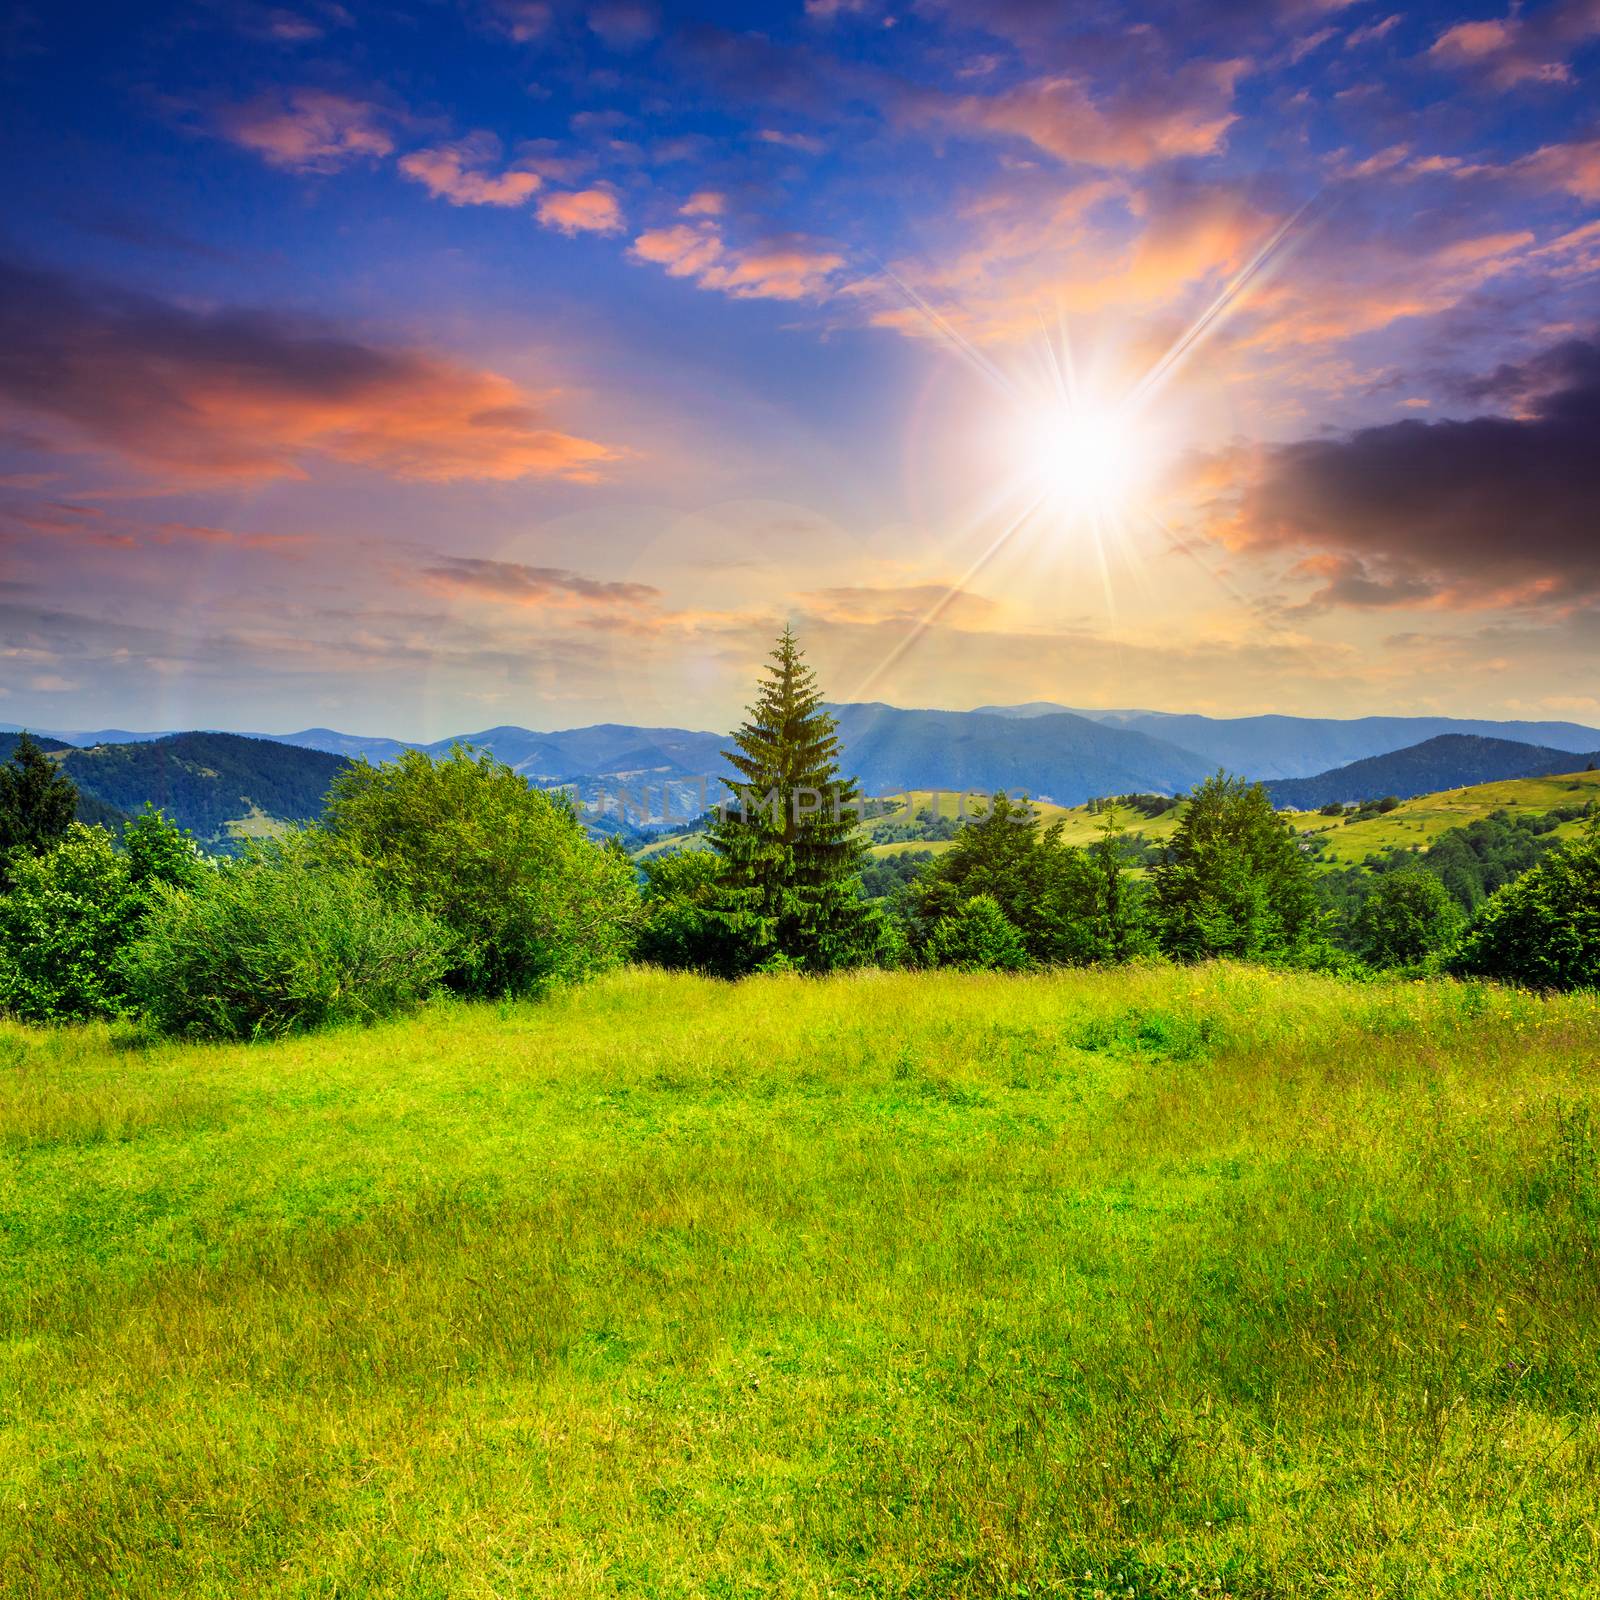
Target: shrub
[
  {"x": 977, "y": 937},
  {"x": 685, "y": 923},
  {"x": 507, "y": 869},
  {"x": 1543, "y": 929},
  {"x": 72, "y": 912},
  {"x": 67, "y": 916},
  {"x": 282, "y": 940},
  {"x": 1408, "y": 916}
]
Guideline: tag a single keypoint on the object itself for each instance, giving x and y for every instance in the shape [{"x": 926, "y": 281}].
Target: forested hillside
[{"x": 220, "y": 786}]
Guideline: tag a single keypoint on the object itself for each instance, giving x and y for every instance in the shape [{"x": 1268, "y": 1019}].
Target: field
[
  {"x": 1157, "y": 1282},
  {"x": 1413, "y": 824}
]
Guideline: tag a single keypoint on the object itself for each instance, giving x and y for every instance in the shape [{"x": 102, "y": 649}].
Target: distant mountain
[
  {"x": 82, "y": 739},
  {"x": 1056, "y": 756},
  {"x": 1450, "y": 761},
  {"x": 1297, "y": 747},
  {"x": 352, "y": 746},
  {"x": 207, "y": 782}
]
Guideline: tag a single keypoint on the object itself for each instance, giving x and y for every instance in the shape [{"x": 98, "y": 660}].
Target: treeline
[{"x": 429, "y": 875}]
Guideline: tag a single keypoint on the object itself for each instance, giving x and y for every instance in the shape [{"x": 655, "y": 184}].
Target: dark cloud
[
  {"x": 1491, "y": 509},
  {"x": 238, "y": 394}
]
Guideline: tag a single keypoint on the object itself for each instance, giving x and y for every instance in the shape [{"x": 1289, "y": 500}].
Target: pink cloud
[
  {"x": 581, "y": 211},
  {"x": 455, "y": 172},
  {"x": 309, "y": 130},
  {"x": 1521, "y": 47},
  {"x": 1187, "y": 114}
]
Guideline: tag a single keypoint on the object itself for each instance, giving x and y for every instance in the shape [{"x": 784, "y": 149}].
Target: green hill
[{"x": 223, "y": 787}]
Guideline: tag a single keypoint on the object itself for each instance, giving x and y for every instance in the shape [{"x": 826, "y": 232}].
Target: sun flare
[{"x": 1087, "y": 460}]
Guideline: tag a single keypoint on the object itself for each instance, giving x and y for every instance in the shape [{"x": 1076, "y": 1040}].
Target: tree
[
  {"x": 977, "y": 937},
  {"x": 1070, "y": 907},
  {"x": 1232, "y": 880},
  {"x": 527, "y": 898},
  {"x": 1408, "y": 916},
  {"x": 789, "y": 846},
  {"x": 1543, "y": 929},
  {"x": 73, "y": 911},
  {"x": 38, "y": 802},
  {"x": 685, "y": 923},
  {"x": 1122, "y": 917}
]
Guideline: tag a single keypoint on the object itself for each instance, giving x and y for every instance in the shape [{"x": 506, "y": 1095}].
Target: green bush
[
  {"x": 72, "y": 911},
  {"x": 1542, "y": 930},
  {"x": 1408, "y": 916},
  {"x": 528, "y": 899},
  {"x": 977, "y": 937},
  {"x": 685, "y": 924},
  {"x": 283, "y": 940}
]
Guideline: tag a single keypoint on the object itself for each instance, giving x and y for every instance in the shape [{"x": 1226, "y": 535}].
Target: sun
[{"x": 1080, "y": 458}]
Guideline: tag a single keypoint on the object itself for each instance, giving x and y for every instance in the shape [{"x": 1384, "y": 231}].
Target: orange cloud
[
  {"x": 581, "y": 211},
  {"x": 1187, "y": 114},
  {"x": 789, "y": 267},
  {"x": 309, "y": 130},
  {"x": 246, "y": 395},
  {"x": 454, "y": 172}
]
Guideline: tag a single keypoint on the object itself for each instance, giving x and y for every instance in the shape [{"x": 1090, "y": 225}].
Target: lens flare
[{"x": 1086, "y": 460}]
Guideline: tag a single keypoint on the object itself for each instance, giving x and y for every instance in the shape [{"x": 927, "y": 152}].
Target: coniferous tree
[
  {"x": 38, "y": 802},
  {"x": 1233, "y": 881},
  {"x": 790, "y": 851}
]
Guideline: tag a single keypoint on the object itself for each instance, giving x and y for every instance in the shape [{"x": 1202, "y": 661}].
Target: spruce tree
[
  {"x": 788, "y": 842},
  {"x": 38, "y": 802}
]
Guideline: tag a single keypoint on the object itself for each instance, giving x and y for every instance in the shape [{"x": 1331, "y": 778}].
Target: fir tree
[
  {"x": 790, "y": 851},
  {"x": 38, "y": 802}
]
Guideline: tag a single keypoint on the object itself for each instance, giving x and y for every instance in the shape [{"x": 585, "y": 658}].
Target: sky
[{"x": 417, "y": 367}]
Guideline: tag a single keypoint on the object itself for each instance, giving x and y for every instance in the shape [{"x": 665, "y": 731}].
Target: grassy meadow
[{"x": 1154, "y": 1282}]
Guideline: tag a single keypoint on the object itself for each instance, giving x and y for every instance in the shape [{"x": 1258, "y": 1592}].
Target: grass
[
  {"x": 1155, "y": 1283},
  {"x": 1417, "y": 823}
]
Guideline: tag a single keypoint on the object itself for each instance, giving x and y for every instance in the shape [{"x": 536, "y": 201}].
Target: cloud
[
  {"x": 513, "y": 583},
  {"x": 1573, "y": 167},
  {"x": 1521, "y": 47},
  {"x": 1372, "y": 32},
  {"x": 576, "y": 211},
  {"x": 100, "y": 526},
  {"x": 808, "y": 143},
  {"x": 704, "y": 203},
  {"x": 624, "y": 24},
  {"x": 1186, "y": 112},
  {"x": 454, "y": 172},
  {"x": 1492, "y": 510},
  {"x": 250, "y": 395},
  {"x": 900, "y": 603},
  {"x": 309, "y": 130},
  {"x": 522, "y": 21},
  {"x": 788, "y": 267}
]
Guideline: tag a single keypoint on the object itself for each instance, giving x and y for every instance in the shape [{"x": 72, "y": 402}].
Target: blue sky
[{"x": 428, "y": 365}]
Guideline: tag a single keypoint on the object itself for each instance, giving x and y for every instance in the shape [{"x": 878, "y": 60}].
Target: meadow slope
[{"x": 1144, "y": 1283}]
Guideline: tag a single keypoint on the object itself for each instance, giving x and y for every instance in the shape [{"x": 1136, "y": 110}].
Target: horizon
[
  {"x": 1087, "y": 713},
  {"x": 416, "y": 369}
]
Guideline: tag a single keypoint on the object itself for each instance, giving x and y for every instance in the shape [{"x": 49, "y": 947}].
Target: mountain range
[{"x": 224, "y": 785}]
